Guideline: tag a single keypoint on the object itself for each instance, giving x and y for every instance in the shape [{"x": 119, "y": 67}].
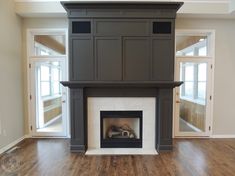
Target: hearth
[{"x": 121, "y": 129}]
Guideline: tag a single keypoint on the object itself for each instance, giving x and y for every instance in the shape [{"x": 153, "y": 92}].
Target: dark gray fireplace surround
[{"x": 121, "y": 49}]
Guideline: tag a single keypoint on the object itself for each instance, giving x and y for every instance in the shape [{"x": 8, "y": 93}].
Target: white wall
[
  {"x": 224, "y": 86},
  {"x": 11, "y": 109},
  {"x": 36, "y": 23}
]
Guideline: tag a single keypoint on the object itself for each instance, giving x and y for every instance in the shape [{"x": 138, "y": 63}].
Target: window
[
  {"x": 49, "y": 45},
  {"x": 202, "y": 81},
  {"x": 191, "y": 46},
  {"x": 194, "y": 77},
  {"x": 49, "y": 79}
]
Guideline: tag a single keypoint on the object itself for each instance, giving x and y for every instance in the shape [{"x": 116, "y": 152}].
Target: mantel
[{"x": 122, "y": 84}]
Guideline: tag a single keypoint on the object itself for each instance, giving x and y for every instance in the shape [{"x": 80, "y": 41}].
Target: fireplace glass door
[{"x": 121, "y": 129}]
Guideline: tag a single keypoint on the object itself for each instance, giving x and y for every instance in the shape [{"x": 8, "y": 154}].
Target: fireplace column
[
  {"x": 164, "y": 114},
  {"x": 78, "y": 122}
]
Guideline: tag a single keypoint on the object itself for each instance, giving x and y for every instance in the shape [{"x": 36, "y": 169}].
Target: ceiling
[{"x": 190, "y": 9}]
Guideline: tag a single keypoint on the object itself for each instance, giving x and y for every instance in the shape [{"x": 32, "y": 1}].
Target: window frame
[
  {"x": 50, "y": 81},
  {"x": 195, "y": 81}
]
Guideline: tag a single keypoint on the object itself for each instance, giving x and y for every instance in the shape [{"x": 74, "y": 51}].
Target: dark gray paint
[
  {"x": 82, "y": 65},
  {"x": 121, "y": 84},
  {"x": 122, "y": 27},
  {"x": 162, "y": 59},
  {"x": 136, "y": 56},
  {"x": 78, "y": 122},
  {"x": 164, "y": 108},
  {"x": 123, "y": 65},
  {"x": 108, "y": 58},
  {"x": 164, "y": 112},
  {"x": 86, "y": 9}
]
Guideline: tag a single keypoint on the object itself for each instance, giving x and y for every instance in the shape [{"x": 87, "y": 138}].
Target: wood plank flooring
[{"x": 190, "y": 157}]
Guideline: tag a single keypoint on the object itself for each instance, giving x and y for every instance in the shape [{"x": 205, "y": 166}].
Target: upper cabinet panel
[
  {"x": 82, "y": 62},
  {"x": 108, "y": 58},
  {"x": 136, "y": 57},
  {"x": 119, "y": 27},
  {"x": 162, "y": 59}
]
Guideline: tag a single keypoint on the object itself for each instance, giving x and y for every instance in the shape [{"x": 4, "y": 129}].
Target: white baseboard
[
  {"x": 4, "y": 149},
  {"x": 223, "y": 136}
]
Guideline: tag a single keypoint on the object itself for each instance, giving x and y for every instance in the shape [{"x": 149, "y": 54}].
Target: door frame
[
  {"x": 31, "y": 32},
  {"x": 211, "y": 60}
]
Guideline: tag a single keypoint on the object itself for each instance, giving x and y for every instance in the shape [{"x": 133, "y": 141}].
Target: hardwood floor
[{"x": 51, "y": 157}]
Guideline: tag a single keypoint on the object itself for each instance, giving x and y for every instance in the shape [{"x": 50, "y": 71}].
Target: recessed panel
[
  {"x": 136, "y": 58},
  {"x": 162, "y": 27},
  {"x": 81, "y": 27}
]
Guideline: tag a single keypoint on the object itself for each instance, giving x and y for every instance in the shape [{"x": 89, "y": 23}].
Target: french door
[
  {"x": 193, "y": 97},
  {"x": 48, "y": 96}
]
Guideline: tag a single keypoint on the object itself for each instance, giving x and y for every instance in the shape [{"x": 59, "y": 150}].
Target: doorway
[
  {"x": 48, "y": 98},
  {"x": 193, "y": 99}
]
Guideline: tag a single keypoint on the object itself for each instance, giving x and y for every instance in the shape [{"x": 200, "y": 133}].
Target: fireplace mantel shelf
[{"x": 121, "y": 84}]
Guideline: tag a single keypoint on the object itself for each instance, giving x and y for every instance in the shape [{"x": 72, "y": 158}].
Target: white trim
[
  {"x": 42, "y": 31},
  {"x": 12, "y": 144},
  {"x": 225, "y": 136},
  {"x": 210, "y": 59}
]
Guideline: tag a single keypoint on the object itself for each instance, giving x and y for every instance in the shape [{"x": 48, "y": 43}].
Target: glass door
[
  {"x": 48, "y": 97},
  {"x": 193, "y": 97},
  {"x": 47, "y": 57}
]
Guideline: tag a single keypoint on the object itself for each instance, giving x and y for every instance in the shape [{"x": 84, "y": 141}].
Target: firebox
[{"x": 121, "y": 129}]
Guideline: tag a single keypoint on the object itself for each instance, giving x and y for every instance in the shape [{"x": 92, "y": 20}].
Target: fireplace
[
  {"x": 122, "y": 50},
  {"x": 121, "y": 129}
]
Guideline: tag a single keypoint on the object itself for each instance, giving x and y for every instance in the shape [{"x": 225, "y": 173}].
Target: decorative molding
[
  {"x": 122, "y": 84},
  {"x": 223, "y": 136},
  {"x": 12, "y": 144}
]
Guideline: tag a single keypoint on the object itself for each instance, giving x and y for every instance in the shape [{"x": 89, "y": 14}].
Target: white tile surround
[{"x": 95, "y": 105}]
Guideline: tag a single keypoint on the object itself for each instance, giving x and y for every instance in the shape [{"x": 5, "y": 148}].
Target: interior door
[
  {"x": 48, "y": 97},
  {"x": 193, "y": 97}
]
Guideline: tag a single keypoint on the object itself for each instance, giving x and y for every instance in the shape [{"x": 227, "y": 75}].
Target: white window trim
[
  {"x": 211, "y": 57},
  {"x": 30, "y": 49}
]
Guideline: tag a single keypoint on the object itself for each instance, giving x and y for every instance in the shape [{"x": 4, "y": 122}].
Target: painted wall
[
  {"x": 224, "y": 85},
  {"x": 11, "y": 89},
  {"x": 36, "y": 23}
]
